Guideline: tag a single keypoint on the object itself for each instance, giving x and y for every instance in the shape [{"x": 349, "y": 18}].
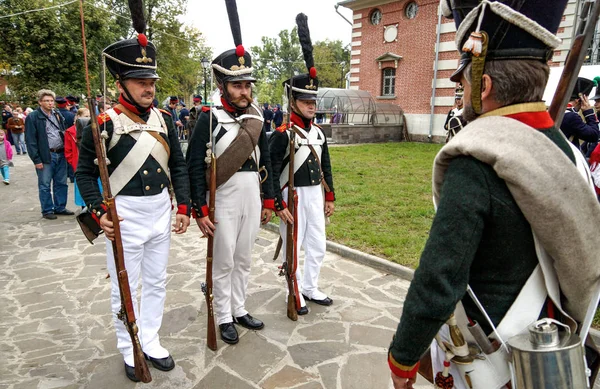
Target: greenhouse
[{"x": 353, "y": 116}]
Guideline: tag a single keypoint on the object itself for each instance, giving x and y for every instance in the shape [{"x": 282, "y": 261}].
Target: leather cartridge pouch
[
  {"x": 88, "y": 225},
  {"x": 236, "y": 154}
]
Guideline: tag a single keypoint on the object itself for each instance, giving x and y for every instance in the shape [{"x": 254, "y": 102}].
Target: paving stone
[
  {"x": 219, "y": 378},
  {"x": 366, "y": 371},
  {"x": 177, "y": 319},
  {"x": 324, "y": 330},
  {"x": 259, "y": 297},
  {"x": 329, "y": 375},
  {"x": 243, "y": 356},
  {"x": 311, "y": 354},
  {"x": 358, "y": 312},
  {"x": 386, "y": 322},
  {"x": 287, "y": 377},
  {"x": 370, "y": 336}
]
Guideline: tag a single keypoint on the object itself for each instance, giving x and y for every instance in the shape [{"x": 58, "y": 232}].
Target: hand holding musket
[{"x": 126, "y": 314}]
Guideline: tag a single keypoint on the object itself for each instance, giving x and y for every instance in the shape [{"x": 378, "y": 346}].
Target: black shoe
[
  {"x": 249, "y": 322},
  {"x": 130, "y": 373},
  {"x": 326, "y": 301},
  {"x": 65, "y": 212},
  {"x": 164, "y": 364},
  {"x": 303, "y": 311},
  {"x": 49, "y": 216},
  {"x": 229, "y": 333}
]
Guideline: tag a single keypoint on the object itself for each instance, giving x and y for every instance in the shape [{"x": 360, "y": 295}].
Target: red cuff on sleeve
[
  {"x": 269, "y": 204},
  {"x": 203, "y": 210},
  {"x": 182, "y": 209},
  {"x": 402, "y": 371},
  {"x": 96, "y": 217},
  {"x": 329, "y": 196}
]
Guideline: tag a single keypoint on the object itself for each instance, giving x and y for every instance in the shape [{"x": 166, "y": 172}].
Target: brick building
[{"x": 394, "y": 57}]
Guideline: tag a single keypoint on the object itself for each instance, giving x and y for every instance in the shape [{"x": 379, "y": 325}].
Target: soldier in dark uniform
[
  {"x": 195, "y": 111},
  {"x": 455, "y": 121},
  {"x": 239, "y": 208},
  {"x": 141, "y": 190},
  {"x": 312, "y": 167},
  {"x": 573, "y": 126},
  {"x": 505, "y": 190},
  {"x": 73, "y": 103}
]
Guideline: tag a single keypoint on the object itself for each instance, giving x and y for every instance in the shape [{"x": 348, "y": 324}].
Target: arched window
[{"x": 388, "y": 84}]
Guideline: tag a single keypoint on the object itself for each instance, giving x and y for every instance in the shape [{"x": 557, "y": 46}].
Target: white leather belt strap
[
  {"x": 146, "y": 145},
  {"x": 315, "y": 137}
]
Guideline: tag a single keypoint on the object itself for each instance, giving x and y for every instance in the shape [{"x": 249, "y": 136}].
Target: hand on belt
[{"x": 57, "y": 150}]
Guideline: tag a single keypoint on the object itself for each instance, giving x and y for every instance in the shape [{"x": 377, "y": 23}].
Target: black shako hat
[
  {"x": 583, "y": 86},
  {"x": 304, "y": 86},
  {"x": 234, "y": 64},
  {"x": 132, "y": 58},
  {"x": 513, "y": 29}
]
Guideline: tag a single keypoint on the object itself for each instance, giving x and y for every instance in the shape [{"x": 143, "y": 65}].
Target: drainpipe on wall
[
  {"x": 435, "y": 70},
  {"x": 343, "y": 17}
]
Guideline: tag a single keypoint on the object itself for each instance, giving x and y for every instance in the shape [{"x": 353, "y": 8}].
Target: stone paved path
[{"x": 56, "y": 330}]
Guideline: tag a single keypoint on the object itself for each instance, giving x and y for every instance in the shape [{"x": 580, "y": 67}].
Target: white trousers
[
  {"x": 146, "y": 236},
  {"x": 237, "y": 212},
  {"x": 311, "y": 237}
]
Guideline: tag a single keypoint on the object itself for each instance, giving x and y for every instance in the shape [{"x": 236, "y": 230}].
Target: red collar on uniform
[
  {"x": 540, "y": 120},
  {"x": 130, "y": 106},
  {"x": 298, "y": 120},
  {"x": 226, "y": 106}
]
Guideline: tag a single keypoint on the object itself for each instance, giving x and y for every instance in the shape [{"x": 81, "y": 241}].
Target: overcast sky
[{"x": 267, "y": 18}]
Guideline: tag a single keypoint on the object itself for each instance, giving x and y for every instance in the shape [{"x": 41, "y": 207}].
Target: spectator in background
[
  {"x": 16, "y": 125},
  {"x": 184, "y": 116},
  {"x": 73, "y": 104},
  {"x": 574, "y": 128},
  {"x": 5, "y": 157},
  {"x": 44, "y": 131},
  {"x": 268, "y": 117},
  {"x": 72, "y": 150},
  {"x": 6, "y": 114},
  {"x": 63, "y": 108},
  {"x": 277, "y": 116}
]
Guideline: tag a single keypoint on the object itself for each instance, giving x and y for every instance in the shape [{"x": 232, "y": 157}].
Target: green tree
[{"x": 279, "y": 58}]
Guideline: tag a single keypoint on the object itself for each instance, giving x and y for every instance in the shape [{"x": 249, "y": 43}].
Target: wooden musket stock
[
  {"x": 293, "y": 302},
  {"x": 207, "y": 287}
]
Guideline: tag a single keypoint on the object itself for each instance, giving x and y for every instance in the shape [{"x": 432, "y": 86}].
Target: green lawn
[{"x": 383, "y": 204}]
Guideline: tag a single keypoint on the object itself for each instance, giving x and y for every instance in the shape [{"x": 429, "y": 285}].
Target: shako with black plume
[
  {"x": 304, "y": 86},
  {"x": 234, "y": 64},
  {"x": 132, "y": 58}
]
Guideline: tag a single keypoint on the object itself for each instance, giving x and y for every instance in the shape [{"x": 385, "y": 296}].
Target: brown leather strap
[
  {"x": 138, "y": 119},
  {"x": 314, "y": 153}
]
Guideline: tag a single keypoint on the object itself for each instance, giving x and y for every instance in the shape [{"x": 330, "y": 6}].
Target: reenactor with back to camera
[
  {"x": 241, "y": 148},
  {"x": 145, "y": 161},
  {"x": 515, "y": 208},
  {"x": 312, "y": 173}
]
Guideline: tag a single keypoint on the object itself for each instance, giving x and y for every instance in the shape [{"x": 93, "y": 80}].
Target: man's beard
[{"x": 469, "y": 113}]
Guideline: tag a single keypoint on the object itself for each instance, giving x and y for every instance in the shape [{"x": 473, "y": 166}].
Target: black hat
[
  {"x": 72, "y": 99},
  {"x": 514, "y": 29},
  {"x": 583, "y": 86},
  {"x": 132, "y": 58},
  {"x": 60, "y": 101},
  {"x": 197, "y": 98},
  {"x": 234, "y": 64},
  {"x": 173, "y": 99},
  {"x": 304, "y": 86}
]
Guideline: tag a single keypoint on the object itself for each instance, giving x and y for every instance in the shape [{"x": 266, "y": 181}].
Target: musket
[
  {"x": 126, "y": 314},
  {"x": 587, "y": 25},
  {"x": 207, "y": 287},
  {"x": 291, "y": 252}
]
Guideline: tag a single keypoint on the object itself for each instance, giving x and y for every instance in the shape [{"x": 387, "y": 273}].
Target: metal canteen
[{"x": 546, "y": 358}]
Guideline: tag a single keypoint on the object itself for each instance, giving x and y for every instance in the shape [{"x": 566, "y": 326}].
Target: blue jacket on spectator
[
  {"x": 575, "y": 129},
  {"x": 36, "y": 138}
]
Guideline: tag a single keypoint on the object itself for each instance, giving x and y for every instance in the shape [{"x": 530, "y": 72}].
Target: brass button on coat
[
  {"x": 147, "y": 187},
  {"x": 145, "y": 172},
  {"x": 158, "y": 170}
]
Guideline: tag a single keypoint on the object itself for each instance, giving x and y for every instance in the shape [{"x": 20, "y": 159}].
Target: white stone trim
[
  {"x": 355, "y": 61},
  {"x": 356, "y": 26},
  {"x": 355, "y": 52},
  {"x": 354, "y": 79},
  {"x": 447, "y": 46},
  {"x": 570, "y": 9},
  {"x": 448, "y": 27},
  {"x": 566, "y": 34},
  {"x": 447, "y": 64},
  {"x": 354, "y": 87},
  {"x": 444, "y": 101},
  {"x": 355, "y": 70},
  {"x": 356, "y": 43},
  {"x": 357, "y": 34},
  {"x": 356, "y": 16},
  {"x": 443, "y": 83},
  {"x": 418, "y": 124}
]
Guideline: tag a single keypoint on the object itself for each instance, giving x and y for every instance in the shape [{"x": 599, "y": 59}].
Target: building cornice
[{"x": 361, "y": 4}]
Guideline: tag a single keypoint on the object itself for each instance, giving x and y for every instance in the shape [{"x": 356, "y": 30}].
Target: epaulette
[
  {"x": 103, "y": 118},
  {"x": 282, "y": 128},
  {"x": 205, "y": 108},
  {"x": 164, "y": 111}
]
